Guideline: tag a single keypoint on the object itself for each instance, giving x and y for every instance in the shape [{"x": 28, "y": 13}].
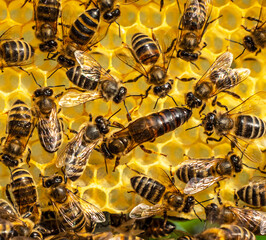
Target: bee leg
[
  {"x": 28, "y": 157},
  {"x": 2, "y": 139},
  {"x": 33, "y": 27},
  {"x": 23, "y": 70},
  {"x": 117, "y": 161},
  {"x": 57, "y": 96},
  {"x": 236, "y": 198},
  {"x": 202, "y": 108},
  {"x": 252, "y": 19},
  {"x": 257, "y": 52},
  {"x": 134, "y": 79},
  {"x": 248, "y": 30},
  {"x": 134, "y": 170},
  {"x": 213, "y": 139},
  {"x": 8, "y": 195},
  {"x": 186, "y": 79},
  {"x": 232, "y": 94},
  {"x": 151, "y": 151},
  {"x": 208, "y": 23},
  {"x": 171, "y": 174},
  {"x": 117, "y": 124},
  {"x": 222, "y": 106},
  {"x": 161, "y": 5},
  {"x": 172, "y": 45},
  {"x": 72, "y": 131}
]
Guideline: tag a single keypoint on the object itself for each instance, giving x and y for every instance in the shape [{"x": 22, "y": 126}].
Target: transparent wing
[
  {"x": 70, "y": 150},
  {"x": 208, "y": 9},
  {"x": 258, "y": 179},
  {"x": 127, "y": 56},
  {"x": 193, "y": 7},
  {"x": 74, "y": 98},
  {"x": 144, "y": 211},
  {"x": 11, "y": 33},
  {"x": 262, "y": 17},
  {"x": 90, "y": 211},
  {"x": 196, "y": 185}
]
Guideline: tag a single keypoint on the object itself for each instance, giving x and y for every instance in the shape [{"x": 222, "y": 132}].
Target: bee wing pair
[
  {"x": 142, "y": 211},
  {"x": 87, "y": 63}
]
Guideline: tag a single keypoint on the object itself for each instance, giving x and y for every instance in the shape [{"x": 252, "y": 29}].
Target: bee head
[
  {"x": 192, "y": 101},
  {"x": 102, "y": 124},
  {"x": 53, "y": 181},
  {"x": 65, "y": 62},
  {"x": 249, "y": 44},
  {"x": 120, "y": 96},
  {"x": 212, "y": 211},
  {"x": 49, "y": 46},
  {"x": 59, "y": 193},
  {"x": 187, "y": 56},
  {"x": 236, "y": 161},
  {"x": 9, "y": 161},
  {"x": 157, "y": 76},
  {"x": 209, "y": 122},
  {"x": 111, "y": 16}
]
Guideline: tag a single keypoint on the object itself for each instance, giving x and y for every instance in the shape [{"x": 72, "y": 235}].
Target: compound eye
[
  {"x": 38, "y": 93},
  {"x": 48, "y": 92},
  {"x": 48, "y": 183},
  {"x": 209, "y": 127},
  {"x": 58, "y": 179}
]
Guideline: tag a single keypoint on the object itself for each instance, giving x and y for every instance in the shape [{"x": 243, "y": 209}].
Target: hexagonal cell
[
  {"x": 150, "y": 17},
  {"x": 20, "y": 15},
  {"x": 95, "y": 196},
  {"x": 231, "y": 17},
  {"x": 120, "y": 200},
  {"x": 131, "y": 14}
]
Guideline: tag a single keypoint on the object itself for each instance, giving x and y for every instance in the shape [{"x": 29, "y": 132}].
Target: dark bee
[
  {"x": 75, "y": 156},
  {"x": 163, "y": 194},
  {"x": 19, "y": 130},
  {"x": 252, "y": 220},
  {"x": 236, "y": 125},
  {"x": 147, "y": 57},
  {"x": 200, "y": 174},
  {"x": 218, "y": 78},
  {"x": 6, "y": 230},
  {"x": 254, "y": 193},
  {"x": 50, "y": 128},
  {"x": 95, "y": 80},
  {"x": 256, "y": 40},
  {"x": 24, "y": 194},
  {"x": 72, "y": 212},
  {"x": 144, "y": 129},
  {"x": 46, "y": 13},
  {"x": 193, "y": 25},
  {"x": 14, "y": 52},
  {"x": 224, "y": 232}
]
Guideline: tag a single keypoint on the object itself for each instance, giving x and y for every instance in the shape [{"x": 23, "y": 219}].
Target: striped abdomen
[
  {"x": 6, "y": 230},
  {"x": 253, "y": 194},
  {"x": 249, "y": 127},
  {"x": 16, "y": 52},
  {"x": 85, "y": 26},
  {"x": 24, "y": 191},
  {"x": 19, "y": 120},
  {"x": 148, "y": 188},
  {"x": 48, "y": 10},
  {"x": 50, "y": 134},
  {"x": 145, "y": 48},
  {"x": 237, "y": 233},
  {"x": 85, "y": 79},
  {"x": 157, "y": 124}
]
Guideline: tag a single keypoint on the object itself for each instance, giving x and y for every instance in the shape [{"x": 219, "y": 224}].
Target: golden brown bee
[
  {"x": 200, "y": 174},
  {"x": 240, "y": 125},
  {"x": 72, "y": 212},
  {"x": 75, "y": 156},
  {"x": 50, "y": 128},
  {"x": 224, "y": 232},
  {"x": 24, "y": 194},
  {"x": 257, "y": 39},
  {"x": 254, "y": 193},
  {"x": 192, "y": 26},
  {"x": 144, "y": 129},
  {"x": 148, "y": 58},
  {"x": 95, "y": 80},
  {"x": 14, "y": 52},
  {"x": 254, "y": 221},
  {"x": 162, "y": 193},
  {"x": 19, "y": 130},
  {"x": 218, "y": 78},
  {"x": 46, "y": 13}
]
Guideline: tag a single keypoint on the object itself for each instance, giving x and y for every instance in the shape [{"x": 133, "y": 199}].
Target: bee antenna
[
  {"x": 114, "y": 114},
  {"x": 172, "y": 99},
  {"x": 35, "y": 80},
  {"x": 56, "y": 86},
  {"x": 193, "y": 127},
  {"x": 240, "y": 54},
  {"x": 106, "y": 168},
  {"x": 230, "y": 40},
  {"x": 197, "y": 215},
  {"x": 200, "y": 203},
  {"x": 54, "y": 72},
  {"x": 195, "y": 65},
  {"x": 254, "y": 168},
  {"x": 156, "y": 102}
]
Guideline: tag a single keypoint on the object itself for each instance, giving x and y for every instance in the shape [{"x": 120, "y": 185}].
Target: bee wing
[
  {"x": 208, "y": 8},
  {"x": 70, "y": 150},
  {"x": 90, "y": 211},
  {"x": 252, "y": 105},
  {"x": 196, "y": 185},
  {"x": 258, "y": 179},
  {"x": 250, "y": 218},
  {"x": 262, "y": 16},
  {"x": 11, "y": 33},
  {"x": 144, "y": 211},
  {"x": 74, "y": 98},
  {"x": 127, "y": 56}
]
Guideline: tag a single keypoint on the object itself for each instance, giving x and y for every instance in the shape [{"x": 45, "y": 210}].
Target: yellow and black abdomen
[{"x": 48, "y": 11}]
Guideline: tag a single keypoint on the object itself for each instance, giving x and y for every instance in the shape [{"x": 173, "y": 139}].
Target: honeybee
[
  {"x": 14, "y": 52},
  {"x": 162, "y": 193},
  {"x": 24, "y": 192},
  {"x": 252, "y": 220},
  {"x": 256, "y": 40},
  {"x": 72, "y": 212},
  {"x": 148, "y": 58},
  {"x": 48, "y": 224},
  {"x": 192, "y": 26},
  {"x": 93, "y": 78},
  {"x": 218, "y": 78},
  {"x": 6, "y": 229},
  {"x": 46, "y": 13},
  {"x": 74, "y": 157},
  {"x": 19, "y": 130},
  {"x": 144, "y": 129},
  {"x": 254, "y": 193},
  {"x": 50, "y": 127},
  {"x": 200, "y": 174},
  {"x": 224, "y": 232},
  {"x": 240, "y": 125}
]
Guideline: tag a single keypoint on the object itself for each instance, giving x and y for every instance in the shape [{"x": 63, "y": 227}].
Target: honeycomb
[{"x": 109, "y": 191}]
